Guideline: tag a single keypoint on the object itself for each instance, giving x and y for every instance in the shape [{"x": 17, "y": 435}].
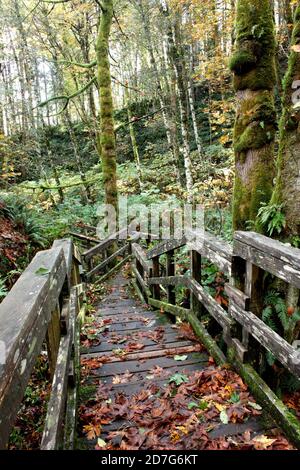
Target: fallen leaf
[{"x": 180, "y": 358}]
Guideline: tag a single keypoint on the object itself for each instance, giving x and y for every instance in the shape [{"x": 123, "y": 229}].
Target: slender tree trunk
[
  {"x": 107, "y": 133},
  {"x": 171, "y": 135},
  {"x": 133, "y": 142},
  {"x": 87, "y": 192},
  {"x": 253, "y": 64},
  {"x": 177, "y": 59},
  {"x": 192, "y": 107}
]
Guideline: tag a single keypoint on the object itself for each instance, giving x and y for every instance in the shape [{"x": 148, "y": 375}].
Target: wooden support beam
[
  {"x": 156, "y": 273},
  {"x": 53, "y": 431},
  {"x": 170, "y": 271},
  {"x": 106, "y": 262},
  {"x": 195, "y": 258}
]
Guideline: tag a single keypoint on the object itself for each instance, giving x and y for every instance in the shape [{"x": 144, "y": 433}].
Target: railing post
[
  {"x": 248, "y": 278},
  {"x": 171, "y": 272},
  {"x": 53, "y": 339},
  {"x": 156, "y": 273},
  {"x": 195, "y": 258}
]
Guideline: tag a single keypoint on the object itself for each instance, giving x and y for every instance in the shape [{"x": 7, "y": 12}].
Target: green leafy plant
[
  {"x": 272, "y": 218},
  {"x": 3, "y": 288}
]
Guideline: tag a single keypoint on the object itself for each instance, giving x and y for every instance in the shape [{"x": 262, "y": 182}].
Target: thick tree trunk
[
  {"x": 107, "y": 133},
  {"x": 287, "y": 189},
  {"x": 253, "y": 64}
]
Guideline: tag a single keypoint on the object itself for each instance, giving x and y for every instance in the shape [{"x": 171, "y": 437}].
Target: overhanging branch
[{"x": 68, "y": 98}]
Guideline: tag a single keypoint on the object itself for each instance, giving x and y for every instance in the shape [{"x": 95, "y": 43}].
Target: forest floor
[{"x": 149, "y": 384}]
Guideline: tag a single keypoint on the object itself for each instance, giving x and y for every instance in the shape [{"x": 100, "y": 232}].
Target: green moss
[
  {"x": 241, "y": 62},
  {"x": 287, "y": 171},
  {"x": 253, "y": 61},
  {"x": 253, "y": 64},
  {"x": 268, "y": 400},
  {"x": 107, "y": 134},
  {"x": 86, "y": 393}
]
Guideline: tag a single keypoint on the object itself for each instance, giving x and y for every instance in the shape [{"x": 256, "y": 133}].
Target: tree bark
[
  {"x": 253, "y": 64},
  {"x": 107, "y": 133}
]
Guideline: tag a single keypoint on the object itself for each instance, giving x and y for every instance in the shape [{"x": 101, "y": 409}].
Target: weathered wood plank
[
  {"x": 170, "y": 272},
  {"x": 141, "y": 281},
  {"x": 114, "y": 368},
  {"x": 169, "y": 308},
  {"x": 104, "y": 244},
  {"x": 285, "y": 253},
  {"x": 141, "y": 256},
  {"x": 268, "y": 338},
  {"x": 67, "y": 246},
  {"x": 169, "y": 281},
  {"x": 106, "y": 262},
  {"x": 52, "y": 434},
  {"x": 164, "y": 247},
  {"x": 215, "y": 310},
  {"x": 24, "y": 317},
  {"x": 238, "y": 297},
  {"x": 85, "y": 238},
  {"x": 211, "y": 247},
  {"x": 281, "y": 267},
  {"x": 148, "y": 354}
]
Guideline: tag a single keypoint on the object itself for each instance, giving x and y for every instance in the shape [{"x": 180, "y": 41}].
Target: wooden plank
[
  {"x": 141, "y": 256},
  {"x": 67, "y": 246},
  {"x": 52, "y": 434},
  {"x": 113, "y": 270},
  {"x": 85, "y": 238},
  {"x": 238, "y": 297},
  {"x": 103, "y": 245},
  {"x": 156, "y": 273},
  {"x": 169, "y": 281},
  {"x": 107, "y": 348},
  {"x": 148, "y": 354},
  {"x": 137, "y": 377},
  {"x": 173, "y": 309},
  {"x": 211, "y": 247},
  {"x": 268, "y": 338},
  {"x": 164, "y": 247},
  {"x": 53, "y": 339},
  {"x": 24, "y": 317},
  {"x": 170, "y": 272},
  {"x": 114, "y": 368},
  {"x": 280, "y": 267},
  {"x": 106, "y": 262},
  {"x": 141, "y": 281},
  {"x": 286, "y": 254},
  {"x": 196, "y": 266},
  {"x": 211, "y": 305}
]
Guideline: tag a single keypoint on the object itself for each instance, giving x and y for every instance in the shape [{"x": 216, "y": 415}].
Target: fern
[{"x": 272, "y": 218}]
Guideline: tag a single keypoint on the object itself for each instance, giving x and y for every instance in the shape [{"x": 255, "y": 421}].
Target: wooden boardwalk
[{"x": 133, "y": 378}]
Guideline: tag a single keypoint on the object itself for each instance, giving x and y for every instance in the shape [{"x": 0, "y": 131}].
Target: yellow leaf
[{"x": 262, "y": 442}]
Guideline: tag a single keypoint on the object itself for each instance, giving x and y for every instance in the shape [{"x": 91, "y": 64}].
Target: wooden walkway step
[{"x": 148, "y": 384}]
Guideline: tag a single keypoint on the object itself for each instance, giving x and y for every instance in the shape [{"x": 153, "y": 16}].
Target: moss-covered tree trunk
[
  {"x": 286, "y": 194},
  {"x": 253, "y": 64},
  {"x": 287, "y": 189},
  {"x": 107, "y": 133}
]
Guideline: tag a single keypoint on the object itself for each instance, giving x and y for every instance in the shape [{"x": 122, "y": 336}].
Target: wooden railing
[
  {"x": 45, "y": 306},
  {"x": 243, "y": 331}
]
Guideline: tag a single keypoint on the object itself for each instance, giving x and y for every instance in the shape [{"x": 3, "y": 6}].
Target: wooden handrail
[{"x": 33, "y": 311}]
